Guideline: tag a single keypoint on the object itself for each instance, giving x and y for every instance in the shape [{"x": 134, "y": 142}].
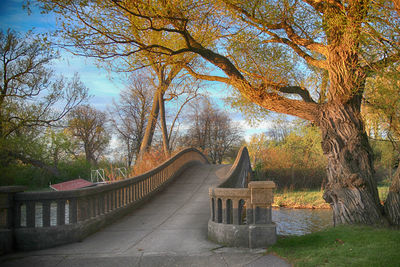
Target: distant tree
[
  {"x": 213, "y": 131},
  {"x": 280, "y": 129},
  {"x": 87, "y": 126},
  {"x": 129, "y": 116},
  {"x": 31, "y": 98}
]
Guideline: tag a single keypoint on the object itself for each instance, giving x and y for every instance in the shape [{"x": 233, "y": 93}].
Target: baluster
[
  {"x": 134, "y": 193},
  {"x": 212, "y": 209},
  {"x": 91, "y": 206},
  {"x": 228, "y": 209},
  {"x": 95, "y": 206},
  {"x": 115, "y": 192},
  {"x": 122, "y": 190},
  {"x": 46, "y": 213},
  {"x": 17, "y": 212},
  {"x": 219, "y": 211},
  {"x": 119, "y": 197},
  {"x": 82, "y": 209},
  {"x": 112, "y": 200},
  {"x": 30, "y": 213},
  {"x": 224, "y": 212},
  {"x": 102, "y": 199},
  {"x": 60, "y": 212},
  {"x": 72, "y": 211},
  {"x": 236, "y": 211},
  {"x": 107, "y": 202}
]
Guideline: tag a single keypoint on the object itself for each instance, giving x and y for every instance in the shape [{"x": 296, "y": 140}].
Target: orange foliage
[{"x": 150, "y": 160}]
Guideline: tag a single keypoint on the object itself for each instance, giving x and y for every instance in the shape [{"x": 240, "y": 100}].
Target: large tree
[{"x": 343, "y": 42}]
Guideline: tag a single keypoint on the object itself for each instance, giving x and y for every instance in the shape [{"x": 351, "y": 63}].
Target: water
[{"x": 301, "y": 221}]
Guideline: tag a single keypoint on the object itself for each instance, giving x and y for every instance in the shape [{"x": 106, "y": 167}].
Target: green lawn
[
  {"x": 342, "y": 246},
  {"x": 310, "y": 198}
]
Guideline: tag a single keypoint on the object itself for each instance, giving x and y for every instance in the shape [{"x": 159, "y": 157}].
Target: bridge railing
[
  {"x": 37, "y": 220},
  {"x": 241, "y": 210}
]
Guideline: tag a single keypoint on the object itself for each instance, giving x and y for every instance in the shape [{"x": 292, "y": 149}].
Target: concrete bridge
[{"x": 162, "y": 218}]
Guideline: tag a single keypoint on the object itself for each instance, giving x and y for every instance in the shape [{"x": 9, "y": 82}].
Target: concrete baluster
[
  {"x": 224, "y": 208},
  {"x": 212, "y": 208},
  {"x": 46, "y": 213},
  {"x": 102, "y": 199},
  {"x": 72, "y": 211},
  {"x": 61, "y": 212},
  {"x": 30, "y": 213},
  {"x": 219, "y": 211},
  {"x": 236, "y": 211},
  {"x": 82, "y": 204}
]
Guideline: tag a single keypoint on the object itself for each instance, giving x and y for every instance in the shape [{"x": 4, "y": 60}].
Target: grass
[
  {"x": 342, "y": 246},
  {"x": 300, "y": 199},
  {"x": 309, "y": 199}
]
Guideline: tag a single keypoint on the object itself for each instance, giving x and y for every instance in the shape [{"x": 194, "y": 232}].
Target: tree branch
[{"x": 206, "y": 77}]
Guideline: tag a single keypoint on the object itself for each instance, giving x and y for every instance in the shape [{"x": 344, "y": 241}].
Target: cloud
[{"x": 250, "y": 129}]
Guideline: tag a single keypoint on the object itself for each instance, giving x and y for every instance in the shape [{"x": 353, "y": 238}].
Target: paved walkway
[{"x": 169, "y": 230}]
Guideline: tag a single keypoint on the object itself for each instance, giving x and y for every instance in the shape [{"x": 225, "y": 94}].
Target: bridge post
[
  {"x": 7, "y": 217},
  {"x": 261, "y": 231}
]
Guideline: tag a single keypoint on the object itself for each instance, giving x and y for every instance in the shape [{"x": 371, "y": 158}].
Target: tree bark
[
  {"x": 392, "y": 203},
  {"x": 163, "y": 122},
  {"x": 151, "y": 126},
  {"x": 351, "y": 189}
]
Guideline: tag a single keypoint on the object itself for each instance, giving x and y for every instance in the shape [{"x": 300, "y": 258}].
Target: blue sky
[{"x": 101, "y": 87}]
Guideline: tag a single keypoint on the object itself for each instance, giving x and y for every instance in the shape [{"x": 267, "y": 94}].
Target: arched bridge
[{"x": 176, "y": 214}]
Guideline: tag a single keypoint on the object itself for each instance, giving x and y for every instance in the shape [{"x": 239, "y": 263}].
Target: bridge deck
[{"x": 169, "y": 230}]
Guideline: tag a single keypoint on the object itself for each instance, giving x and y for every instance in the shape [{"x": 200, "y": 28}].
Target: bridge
[{"x": 185, "y": 212}]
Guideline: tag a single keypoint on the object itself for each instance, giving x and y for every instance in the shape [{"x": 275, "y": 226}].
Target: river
[{"x": 301, "y": 221}]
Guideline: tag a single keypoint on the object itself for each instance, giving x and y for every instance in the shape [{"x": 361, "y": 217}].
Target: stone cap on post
[{"x": 261, "y": 192}]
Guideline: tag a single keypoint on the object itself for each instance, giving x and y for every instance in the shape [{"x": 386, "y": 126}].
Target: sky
[{"x": 103, "y": 86}]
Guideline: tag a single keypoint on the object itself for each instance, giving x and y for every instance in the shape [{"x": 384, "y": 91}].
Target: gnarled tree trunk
[
  {"x": 351, "y": 189},
  {"x": 392, "y": 203}
]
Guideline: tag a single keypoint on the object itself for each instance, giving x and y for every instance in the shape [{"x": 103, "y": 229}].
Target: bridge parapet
[
  {"x": 241, "y": 217},
  {"x": 38, "y": 220}
]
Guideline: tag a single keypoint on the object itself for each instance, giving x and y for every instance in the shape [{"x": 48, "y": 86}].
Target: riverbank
[
  {"x": 342, "y": 246},
  {"x": 309, "y": 199}
]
